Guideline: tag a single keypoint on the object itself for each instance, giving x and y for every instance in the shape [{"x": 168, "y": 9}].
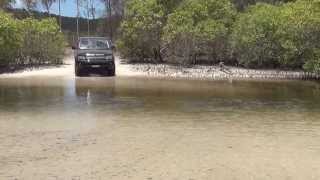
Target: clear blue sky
[{"x": 68, "y": 8}]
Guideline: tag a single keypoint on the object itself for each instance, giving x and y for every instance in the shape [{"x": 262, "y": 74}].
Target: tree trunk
[
  {"x": 88, "y": 17},
  {"x": 60, "y": 18},
  {"x": 110, "y": 19},
  {"x": 88, "y": 23},
  {"x": 78, "y": 19}
]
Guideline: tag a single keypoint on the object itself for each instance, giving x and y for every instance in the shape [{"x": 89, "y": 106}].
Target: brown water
[{"x": 131, "y": 128}]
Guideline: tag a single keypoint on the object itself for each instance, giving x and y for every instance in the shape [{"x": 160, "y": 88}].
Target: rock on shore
[{"x": 215, "y": 72}]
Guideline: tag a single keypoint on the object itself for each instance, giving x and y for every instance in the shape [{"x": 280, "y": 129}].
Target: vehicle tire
[
  {"x": 112, "y": 72},
  {"x": 105, "y": 72},
  {"x": 78, "y": 70}
]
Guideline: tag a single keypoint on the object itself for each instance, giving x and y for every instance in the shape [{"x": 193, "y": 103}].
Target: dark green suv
[{"x": 94, "y": 53}]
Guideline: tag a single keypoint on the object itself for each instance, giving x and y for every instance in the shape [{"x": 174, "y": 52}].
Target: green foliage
[
  {"x": 299, "y": 34},
  {"x": 279, "y": 36},
  {"x": 244, "y": 4},
  {"x": 198, "y": 26},
  {"x": 141, "y": 29},
  {"x": 10, "y": 38},
  {"x": 254, "y": 38},
  {"x": 30, "y": 41},
  {"x": 151, "y": 25},
  {"x": 46, "y": 43}
]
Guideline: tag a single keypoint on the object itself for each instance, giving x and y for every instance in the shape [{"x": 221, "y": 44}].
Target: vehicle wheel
[
  {"x": 78, "y": 70},
  {"x": 112, "y": 72}
]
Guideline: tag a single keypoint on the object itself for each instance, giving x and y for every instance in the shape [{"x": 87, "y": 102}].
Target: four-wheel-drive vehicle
[{"x": 94, "y": 53}]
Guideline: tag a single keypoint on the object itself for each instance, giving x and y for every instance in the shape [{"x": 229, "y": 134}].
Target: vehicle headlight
[{"x": 89, "y": 54}]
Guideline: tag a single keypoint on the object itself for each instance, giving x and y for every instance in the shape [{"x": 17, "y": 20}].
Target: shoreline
[
  {"x": 28, "y": 68},
  {"x": 204, "y": 72},
  {"x": 167, "y": 71}
]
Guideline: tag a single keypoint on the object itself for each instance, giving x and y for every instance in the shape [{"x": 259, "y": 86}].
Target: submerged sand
[{"x": 140, "y": 129}]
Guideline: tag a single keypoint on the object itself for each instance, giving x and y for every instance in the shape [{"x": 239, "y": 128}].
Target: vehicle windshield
[{"x": 94, "y": 43}]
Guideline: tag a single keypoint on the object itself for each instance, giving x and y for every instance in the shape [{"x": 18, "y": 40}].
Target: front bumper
[{"x": 96, "y": 62}]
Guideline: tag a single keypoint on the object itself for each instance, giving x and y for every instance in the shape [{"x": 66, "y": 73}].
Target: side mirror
[{"x": 113, "y": 47}]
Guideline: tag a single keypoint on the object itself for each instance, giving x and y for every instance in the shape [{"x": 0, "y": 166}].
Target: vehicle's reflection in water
[
  {"x": 94, "y": 90},
  {"x": 97, "y": 72},
  {"x": 104, "y": 96}
]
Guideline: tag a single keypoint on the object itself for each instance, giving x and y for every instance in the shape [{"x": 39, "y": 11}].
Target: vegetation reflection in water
[{"x": 142, "y": 95}]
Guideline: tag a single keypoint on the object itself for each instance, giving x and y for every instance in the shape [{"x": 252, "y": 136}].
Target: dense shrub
[
  {"x": 153, "y": 25},
  {"x": 300, "y": 34},
  {"x": 141, "y": 29},
  {"x": 254, "y": 40},
  {"x": 241, "y": 5},
  {"x": 199, "y": 27},
  {"x": 281, "y": 34},
  {"x": 10, "y": 39},
  {"x": 30, "y": 41},
  {"x": 44, "y": 41},
  {"x": 285, "y": 36}
]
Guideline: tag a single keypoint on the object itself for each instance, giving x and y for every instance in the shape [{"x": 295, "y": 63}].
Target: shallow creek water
[{"x": 139, "y": 128}]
